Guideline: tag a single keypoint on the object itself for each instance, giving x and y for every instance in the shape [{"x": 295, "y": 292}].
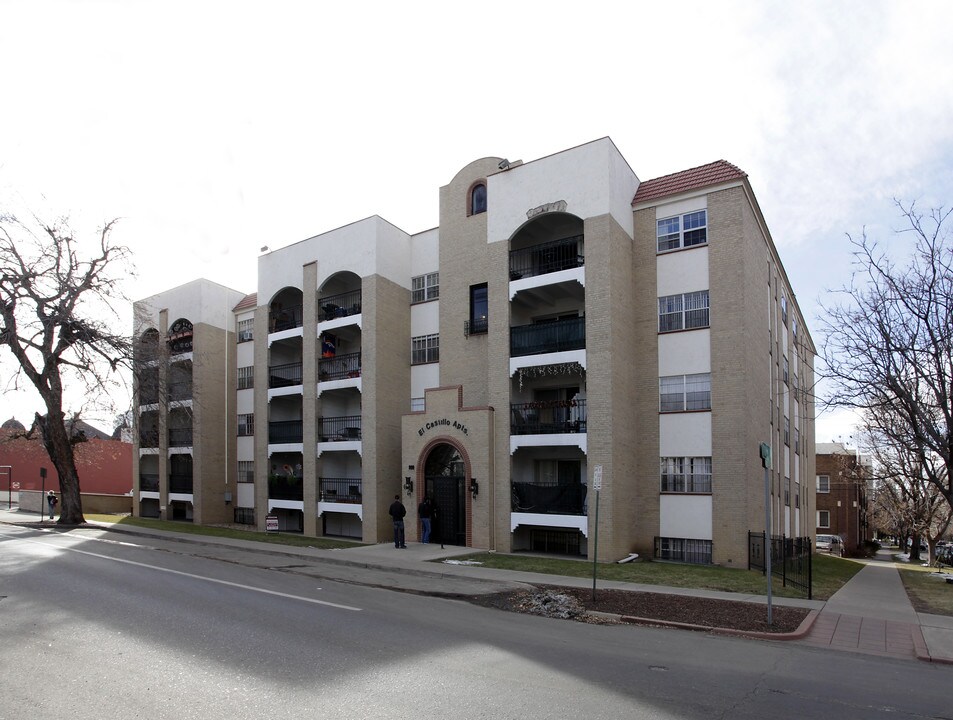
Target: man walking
[{"x": 397, "y": 512}]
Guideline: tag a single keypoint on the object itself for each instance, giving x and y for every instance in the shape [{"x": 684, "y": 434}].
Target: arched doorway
[{"x": 445, "y": 484}]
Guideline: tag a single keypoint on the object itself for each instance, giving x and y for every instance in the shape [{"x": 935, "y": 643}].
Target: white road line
[{"x": 185, "y": 574}]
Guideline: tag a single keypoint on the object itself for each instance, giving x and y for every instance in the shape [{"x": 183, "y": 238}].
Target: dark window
[
  {"x": 478, "y": 199},
  {"x": 478, "y": 309}
]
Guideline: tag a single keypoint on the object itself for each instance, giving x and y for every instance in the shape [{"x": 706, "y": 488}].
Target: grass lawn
[
  {"x": 830, "y": 573},
  {"x": 252, "y": 535},
  {"x": 927, "y": 589}
]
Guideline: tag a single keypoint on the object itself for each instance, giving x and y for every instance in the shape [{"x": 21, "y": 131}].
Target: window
[
  {"x": 425, "y": 349},
  {"x": 245, "y": 330},
  {"x": 425, "y": 287},
  {"x": 787, "y": 496},
  {"x": 785, "y": 370},
  {"x": 246, "y": 471},
  {"x": 787, "y": 431},
  {"x": 246, "y": 377},
  {"x": 246, "y": 424},
  {"x": 823, "y": 483},
  {"x": 686, "y": 474},
  {"x": 479, "y": 307},
  {"x": 682, "y": 231},
  {"x": 797, "y": 441},
  {"x": 417, "y": 405},
  {"x": 478, "y": 199},
  {"x": 784, "y": 310},
  {"x": 679, "y": 393},
  {"x": 683, "y": 312},
  {"x": 823, "y": 518},
  {"x": 797, "y": 494},
  {"x": 683, "y": 550}
]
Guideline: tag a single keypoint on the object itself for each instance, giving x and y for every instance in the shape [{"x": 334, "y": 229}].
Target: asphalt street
[{"x": 97, "y": 627}]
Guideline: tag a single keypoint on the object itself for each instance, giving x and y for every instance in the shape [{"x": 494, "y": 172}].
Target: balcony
[
  {"x": 339, "y": 367},
  {"x": 548, "y": 337},
  {"x": 339, "y": 429},
  {"x": 548, "y": 417},
  {"x": 180, "y": 390},
  {"x": 281, "y": 318},
  {"x": 180, "y": 437},
  {"x": 567, "y": 499},
  {"x": 285, "y": 431},
  {"x": 287, "y": 375},
  {"x": 180, "y": 483},
  {"x": 148, "y": 482},
  {"x": 149, "y": 438},
  {"x": 547, "y": 258},
  {"x": 338, "y": 306},
  {"x": 282, "y": 487},
  {"x": 339, "y": 490}
]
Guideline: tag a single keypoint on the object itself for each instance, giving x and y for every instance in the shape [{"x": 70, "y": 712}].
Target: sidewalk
[{"x": 870, "y": 614}]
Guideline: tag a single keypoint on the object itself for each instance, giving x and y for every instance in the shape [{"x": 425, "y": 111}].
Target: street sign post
[
  {"x": 766, "y": 464},
  {"x": 597, "y": 486}
]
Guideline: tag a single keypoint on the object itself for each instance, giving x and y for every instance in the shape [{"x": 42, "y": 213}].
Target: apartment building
[
  {"x": 569, "y": 343},
  {"x": 844, "y": 478}
]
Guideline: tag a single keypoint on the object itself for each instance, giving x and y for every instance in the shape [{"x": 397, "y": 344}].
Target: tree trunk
[{"x": 56, "y": 440}]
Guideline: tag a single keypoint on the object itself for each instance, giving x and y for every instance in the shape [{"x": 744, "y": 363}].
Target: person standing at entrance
[
  {"x": 424, "y": 511},
  {"x": 397, "y": 512},
  {"x": 51, "y": 501}
]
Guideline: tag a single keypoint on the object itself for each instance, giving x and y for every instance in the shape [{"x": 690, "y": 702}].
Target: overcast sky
[{"x": 214, "y": 128}]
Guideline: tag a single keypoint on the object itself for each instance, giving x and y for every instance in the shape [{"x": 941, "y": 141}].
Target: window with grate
[
  {"x": 246, "y": 424},
  {"x": 425, "y": 349},
  {"x": 246, "y": 377},
  {"x": 425, "y": 287},
  {"x": 686, "y": 474},
  {"x": 678, "y": 393},
  {"x": 687, "y": 311},
  {"x": 245, "y": 330},
  {"x": 246, "y": 471}
]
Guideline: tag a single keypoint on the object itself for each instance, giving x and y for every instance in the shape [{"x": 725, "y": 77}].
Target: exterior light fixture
[
  {"x": 474, "y": 487},
  {"x": 409, "y": 485}
]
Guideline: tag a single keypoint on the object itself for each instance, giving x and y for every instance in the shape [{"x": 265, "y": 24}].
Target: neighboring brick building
[
  {"x": 843, "y": 495},
  {"x": 564, "y": 323},
  {"x": 104, "y": 465}
]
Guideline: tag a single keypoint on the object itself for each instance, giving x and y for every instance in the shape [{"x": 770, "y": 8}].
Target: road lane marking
[{"x": 189, "y": 575}]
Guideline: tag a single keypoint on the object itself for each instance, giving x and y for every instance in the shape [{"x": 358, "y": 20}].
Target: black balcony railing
[
  {"x": 339, "y": 429},
  {"x": 285, "y": 431},
  {"x": 342, "y": 490},
  {"x": 282, "y": 318},
  {"x": 339, "y": 367},
  {"x": 180, "y": 483},
  {"x": 548, "y": 417},
  {"x": 149, "y": 438},
  {"x": 342, "y": 305},
  {"x": 546, "y": 258},
  {"x": 148, "y": 395},
  {"x": 148, "y": 482},
  {"x": 281, "y": 487},
  {"x": 180, "y": 391},
  {"x": 548, "y": 337},
  {"x": 287, "y": 375},
  {"x": 180, "y": 437},
  {"x": 565, "y": 499}
]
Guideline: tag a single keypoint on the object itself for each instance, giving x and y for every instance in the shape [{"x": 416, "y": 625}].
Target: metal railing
[
  {"x": 180, "y": 390},
  {"x": 339, "y": 367},
  {"x": 341, "y": 305},
  {"x": 149, "y": 438},
  {"x": 547, "y": 258},
  {"x": 342, "y": 490},
  {"x": 281, "y": 487},
  {"x": 148, "y": 482},
  {"x": 287, "y": 375},
  {"x": 180, "y": 483},
  {"x": 568, "y": 499},
  {"x": 180, "y": 437},
  {"x": 790, "y": 559},
  {"x": 339, "y": 429},
  {"x": 285, "y": 318},
  {"x": 686, "y": 550},
  {"x": 244, "y": 516},
  {"x": 548, "y": 416},
  {"x": 285, "y": 431},
  {"x": 548, "y": 337}
]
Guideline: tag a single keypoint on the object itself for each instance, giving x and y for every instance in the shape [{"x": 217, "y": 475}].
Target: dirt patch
[{"x": 575, "y": 603}]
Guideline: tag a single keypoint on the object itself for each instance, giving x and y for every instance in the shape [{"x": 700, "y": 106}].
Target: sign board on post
[
  {"x": 597, "y": 486},
  {"x": 271, "y": 523},
  {"x": 597, "y": 478}
]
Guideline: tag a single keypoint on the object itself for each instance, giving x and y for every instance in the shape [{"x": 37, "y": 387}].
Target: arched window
[{"x": 478, "y": 199}]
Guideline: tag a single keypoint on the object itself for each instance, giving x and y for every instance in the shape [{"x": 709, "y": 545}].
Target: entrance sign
[{"x": 271, "y": 523}]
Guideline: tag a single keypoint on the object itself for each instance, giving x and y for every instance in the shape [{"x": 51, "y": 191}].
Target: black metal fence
[
  {"x": 685, "y": 550},
  {"x": 281, "y": 487},
  {"x": 548, "y": 416},
  {"x": 285, "y": 431},
  {"x": 287, "y": 375},
  {"x": 148, "y": 482},
  {"x": 340, "y": 367},
  {"x": 180, "y": 437},
  {"x": 547, "y": 337},
  {"x": 180, "y": 483},
  {"x": 342, "y": 305},
  {"x": 567, "y": 499},
  {"x": 285, "y": 318},
  {"x": 339, "y": 429},
  {"x": 546, "y": 258},
  {"x": 790, "y": 559},
  {"x": 342, "y": 490}
]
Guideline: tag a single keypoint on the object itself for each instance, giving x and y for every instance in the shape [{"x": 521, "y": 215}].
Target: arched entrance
[{"x": 445, "y": 484}]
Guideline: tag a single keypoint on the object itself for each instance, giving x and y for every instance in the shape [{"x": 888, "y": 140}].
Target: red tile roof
[
  {"x": 249, "y": 301},
  {"x": 699, "y": 177}
]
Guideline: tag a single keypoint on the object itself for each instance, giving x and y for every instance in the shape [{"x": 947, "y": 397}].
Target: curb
[{"x": 802, "y": 630}]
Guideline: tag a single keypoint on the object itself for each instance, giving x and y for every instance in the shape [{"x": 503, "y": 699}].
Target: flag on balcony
[{"x": 328, "y": 345}]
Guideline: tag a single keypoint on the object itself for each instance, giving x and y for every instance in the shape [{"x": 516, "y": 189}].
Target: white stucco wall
[
  {"x": 199, "y": 301},
  {"x": 685, "y": 516},
  {"x": 684, "y": 353},
  {"x": 593, "y": 179},
  {"x": 682, "y": 271},
  {"x": 685, "y": 434},
  {"x": 425, "y": 252}
]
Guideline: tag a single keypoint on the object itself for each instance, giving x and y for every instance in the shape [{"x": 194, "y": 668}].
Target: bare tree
[
  {"x": 57, "y": 297},
  {"x": 888, "y": 346}
]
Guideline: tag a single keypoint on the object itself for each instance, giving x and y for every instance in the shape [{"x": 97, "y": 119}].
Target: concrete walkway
[{"x": 870, "y": 614}]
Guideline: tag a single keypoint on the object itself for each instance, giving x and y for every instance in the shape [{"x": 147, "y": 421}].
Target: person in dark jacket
[
  {"x": 397, "y": 512},
  {"x": 51, "y": 501},
  {"x": 424, "y": 511}
]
